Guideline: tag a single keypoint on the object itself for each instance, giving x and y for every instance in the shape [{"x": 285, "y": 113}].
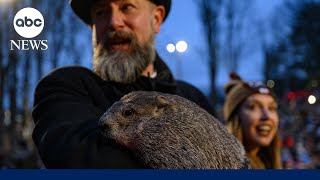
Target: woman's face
[{"x": 259, "y": 120}]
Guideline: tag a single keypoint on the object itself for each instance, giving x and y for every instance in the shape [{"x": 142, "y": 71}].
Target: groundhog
[{"x": 170, "y": 132}]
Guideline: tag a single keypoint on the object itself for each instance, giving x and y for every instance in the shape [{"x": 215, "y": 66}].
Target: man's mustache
[{"x": 118, "y": 36}]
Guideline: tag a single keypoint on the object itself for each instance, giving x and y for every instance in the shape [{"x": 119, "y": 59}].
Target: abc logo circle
[{"x": 28, "y": 22}]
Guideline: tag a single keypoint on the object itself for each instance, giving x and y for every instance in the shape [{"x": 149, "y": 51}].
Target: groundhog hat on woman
[
  {"x": 237, "y": 91},
  {"x": 82, "y": 8}
]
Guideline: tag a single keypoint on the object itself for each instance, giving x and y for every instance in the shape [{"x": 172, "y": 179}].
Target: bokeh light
[
  {"x": 312, "y": 99},
  {"x": 271, "y": 84},
  {"x": 171, "y": 48},
  {"x": 182, "y": 46}
]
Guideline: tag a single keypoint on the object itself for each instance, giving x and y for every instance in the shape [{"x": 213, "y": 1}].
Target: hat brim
[{"x": 82, "y": 8}]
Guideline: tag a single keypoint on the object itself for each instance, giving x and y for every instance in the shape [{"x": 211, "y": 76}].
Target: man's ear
[{"x": 158, "y": 17}]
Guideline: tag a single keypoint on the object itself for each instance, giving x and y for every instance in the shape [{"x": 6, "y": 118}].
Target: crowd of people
[{"x": 300, "y": 130}]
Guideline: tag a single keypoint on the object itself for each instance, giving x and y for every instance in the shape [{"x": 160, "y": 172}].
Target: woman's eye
[
  {"x": 251, "y": 107},
  {"x": 273, "y": 108},
  {"x": 128, "y": 113}
]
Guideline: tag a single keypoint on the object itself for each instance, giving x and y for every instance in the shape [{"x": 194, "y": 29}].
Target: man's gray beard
[{"x": 123, "y": 67}]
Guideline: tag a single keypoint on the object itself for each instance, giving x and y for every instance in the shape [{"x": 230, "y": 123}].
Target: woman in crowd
[{"x": 251, "y": 114}]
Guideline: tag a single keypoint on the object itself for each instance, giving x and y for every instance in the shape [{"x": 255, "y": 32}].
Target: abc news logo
[{"x": 28, "y": 23}]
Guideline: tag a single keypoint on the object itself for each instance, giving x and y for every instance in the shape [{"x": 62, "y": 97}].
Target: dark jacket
[{"x": 70, "y": 101}]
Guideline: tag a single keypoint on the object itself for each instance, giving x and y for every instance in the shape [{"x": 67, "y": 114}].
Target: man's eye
[{"x": 127, "y": 7}]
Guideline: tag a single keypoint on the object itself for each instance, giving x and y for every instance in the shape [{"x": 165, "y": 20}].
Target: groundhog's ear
[{"x": 162, "y": 102}]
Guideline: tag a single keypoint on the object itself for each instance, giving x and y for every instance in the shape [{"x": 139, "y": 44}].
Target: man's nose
[{"x": 116, "y": 20}]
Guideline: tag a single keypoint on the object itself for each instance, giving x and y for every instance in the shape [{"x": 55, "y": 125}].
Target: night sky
[{"x": 184, "y": 24}]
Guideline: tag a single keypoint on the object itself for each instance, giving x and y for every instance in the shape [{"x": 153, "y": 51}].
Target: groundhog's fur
[{"x": 170, "y": 132}]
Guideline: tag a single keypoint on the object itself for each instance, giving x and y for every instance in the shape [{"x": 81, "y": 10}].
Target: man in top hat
[{"x": 70, "y": 101}]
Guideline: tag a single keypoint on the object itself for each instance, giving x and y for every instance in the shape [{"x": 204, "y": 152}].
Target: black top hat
[{"x": 82, "y": 8}]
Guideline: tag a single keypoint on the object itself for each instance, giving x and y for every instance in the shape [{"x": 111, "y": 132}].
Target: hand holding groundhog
[{"x": 170, "y": 132}]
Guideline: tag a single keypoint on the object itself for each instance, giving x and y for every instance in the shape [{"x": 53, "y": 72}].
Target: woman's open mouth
[{"x": 264, "y": 130}]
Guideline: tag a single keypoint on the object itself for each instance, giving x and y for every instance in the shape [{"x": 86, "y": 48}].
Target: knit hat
[
  {"x": 237, "y": 91},
  {"x": 82, "y": 8}
]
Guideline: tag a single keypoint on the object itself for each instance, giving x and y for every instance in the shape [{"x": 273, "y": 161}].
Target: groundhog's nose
[{"x": 102, "y": 124}]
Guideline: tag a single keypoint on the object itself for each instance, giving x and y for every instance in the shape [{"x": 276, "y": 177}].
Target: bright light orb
[
  {"x": 182, "y": 46},
  {"x": 312, "y": 99},
  {"x": 171, "y": 48}
]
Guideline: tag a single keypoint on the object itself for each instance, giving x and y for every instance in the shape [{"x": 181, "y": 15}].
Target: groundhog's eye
[{"x": 128, "y": 112}]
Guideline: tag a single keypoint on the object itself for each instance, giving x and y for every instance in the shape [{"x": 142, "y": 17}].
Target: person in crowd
[
  {"x": 250, "y": 112},
  {"x": 312, "y": 145}
]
